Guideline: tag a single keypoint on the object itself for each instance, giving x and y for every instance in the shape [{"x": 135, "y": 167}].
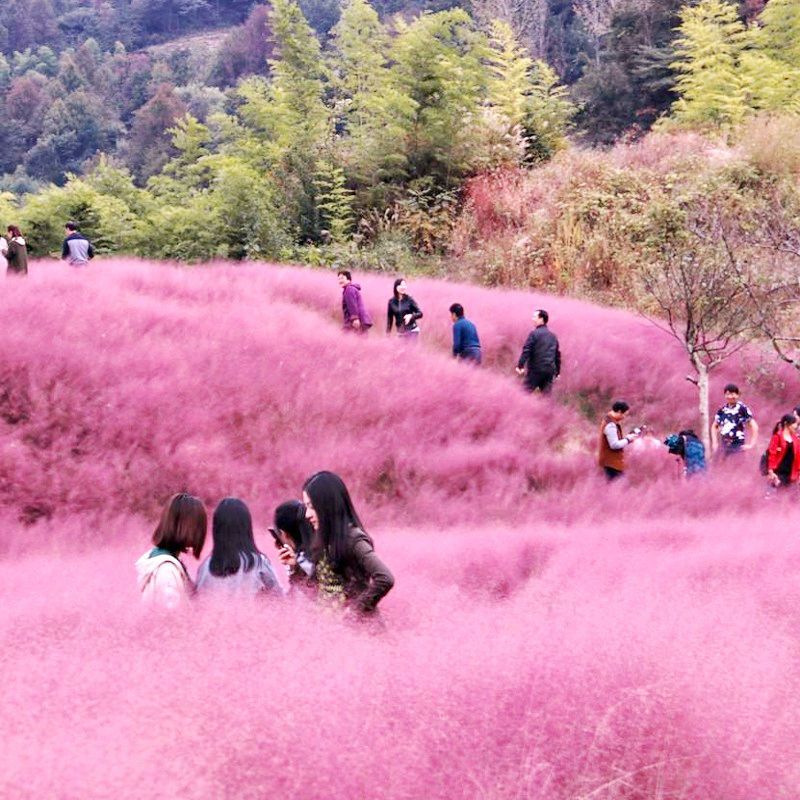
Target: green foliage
[
  {"x": 709, "y": 50},
  {"x": 107, "y": 220},
  {"x": 729, "y": 72},
  {"x": 334, "y": 201},
  {"x": 549, "y": 114},
  {"x": 438, "y": 67},
  {"x": 370, "y": 143}
]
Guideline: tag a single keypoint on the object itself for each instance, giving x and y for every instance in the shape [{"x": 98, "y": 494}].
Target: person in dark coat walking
[
  {"x": 403, "y": 312},
  {"x": 17, "y": 254},
  {"x": 355, "y": 315},
  {"x": 540, "y": 360}
]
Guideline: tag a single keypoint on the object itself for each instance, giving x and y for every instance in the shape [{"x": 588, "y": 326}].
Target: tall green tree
[
  {"x": 711, "y": 87},
  {"x": 286, "y": 121},
  {"x": 369, "y": 107},
  {"x": 437, "y": 65}
]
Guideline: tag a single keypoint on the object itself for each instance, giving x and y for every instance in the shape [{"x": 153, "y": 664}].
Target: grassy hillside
[{"x": 549, "y": 636}]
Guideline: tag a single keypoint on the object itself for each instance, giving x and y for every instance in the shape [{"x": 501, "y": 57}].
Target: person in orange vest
[{"x": 613, "y": 442}]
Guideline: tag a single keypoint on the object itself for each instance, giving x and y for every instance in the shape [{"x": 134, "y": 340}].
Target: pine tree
[
  {"x": 289, "y": 110},
  {"x": 774, "y": 66},
  {"x": 526, "y": 94},
  {"x": 286, "y": 121},
  {"x": 373, "y": 112},
  {"x": 710, "y": 87},
  {"x": 360, "y": 45},
  {"x": 438, "y": 68},
  {"x": 509, "y": 84},
  {"x": 549, "y": 113},
  {"x": 781, "y": 22},
  {"x": 334, "y": 200}
]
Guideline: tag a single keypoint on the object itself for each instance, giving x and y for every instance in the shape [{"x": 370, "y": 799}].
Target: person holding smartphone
[{"x": 293, "y": 536}]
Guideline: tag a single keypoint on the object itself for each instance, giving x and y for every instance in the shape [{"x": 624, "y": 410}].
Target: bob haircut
[
  {"x": 182, "y": 526},
  {"x": 234, "y": 547},
  {"x": 335, "y": 513}
]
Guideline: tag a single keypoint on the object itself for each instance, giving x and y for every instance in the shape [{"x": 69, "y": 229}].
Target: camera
[{"x": 639, "y": 429}]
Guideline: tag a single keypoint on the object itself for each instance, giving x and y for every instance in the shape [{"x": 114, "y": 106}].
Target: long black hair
[
  {"x": 290, "y": 517},
  {"x": 335, "y": 512},
  {"x": 397, "y": 282},
  {"x": 785, "y": 421},
  {"x": 232, "y": 531}
]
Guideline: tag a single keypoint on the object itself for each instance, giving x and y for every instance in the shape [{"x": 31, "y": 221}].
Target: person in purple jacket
[{"x": 356, "y": 316}]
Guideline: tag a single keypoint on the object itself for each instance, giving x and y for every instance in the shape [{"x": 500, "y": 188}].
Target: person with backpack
[
  {"x": 349, "y": 573},
  {"x": 689, "y": 449},
  {"x": 236, "y": 565},
  {"x": 162, "y": 577},
  {"x": 540, "y": 360},
  {"x": 783, "y": 453},
  {"x": 355, "y": 315},
  {"x": 403, "y": 312}
]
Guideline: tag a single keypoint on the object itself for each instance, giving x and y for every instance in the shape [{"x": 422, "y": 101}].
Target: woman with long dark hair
[
  {"x": 17, "y": 255},
  {"x": 403, "y": 311},
  {"x": 347, "y": 569},
  {"x": 235, "y": 563},
  {"x": 162, "y": 576},
  {"x": 783, "y": 453}
]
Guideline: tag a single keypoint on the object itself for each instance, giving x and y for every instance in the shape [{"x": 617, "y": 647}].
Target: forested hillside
[
  {"x": 363, "y": 134},
  {"x": 79, "y": 78}
]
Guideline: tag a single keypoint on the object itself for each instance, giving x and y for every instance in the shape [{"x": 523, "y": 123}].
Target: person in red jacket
[{"x": 783, "y": 453}]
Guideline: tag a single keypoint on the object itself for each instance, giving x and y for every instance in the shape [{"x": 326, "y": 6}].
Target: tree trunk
[{"x": 702, "y": 392}]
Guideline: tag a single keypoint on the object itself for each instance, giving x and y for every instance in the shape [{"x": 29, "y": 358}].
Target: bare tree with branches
[
  {"x": 770, "y": 240},
  {"x": 709, "y": 303}
]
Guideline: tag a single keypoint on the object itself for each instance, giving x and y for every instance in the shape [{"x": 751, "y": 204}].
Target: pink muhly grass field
[{"x": 548, "y": 636}]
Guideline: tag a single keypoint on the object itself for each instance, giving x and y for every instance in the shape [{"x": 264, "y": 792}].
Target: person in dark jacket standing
[
  {"x": 466, "y": 343},
  {"x": 403, "y": 312},
  {"x": 77, "y": 250},
  {"x": 540, "y": 360},
  {"x": 17, "y": 253},
  {"x": 348, "y": 572},
  {"x": 355, "y": 315}
]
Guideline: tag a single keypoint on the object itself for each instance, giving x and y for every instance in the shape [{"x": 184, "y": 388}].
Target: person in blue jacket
[{"x": 466, "y": 342}]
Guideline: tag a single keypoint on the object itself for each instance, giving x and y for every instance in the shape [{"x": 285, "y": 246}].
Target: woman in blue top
[{"x": 236, "y": 564}]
